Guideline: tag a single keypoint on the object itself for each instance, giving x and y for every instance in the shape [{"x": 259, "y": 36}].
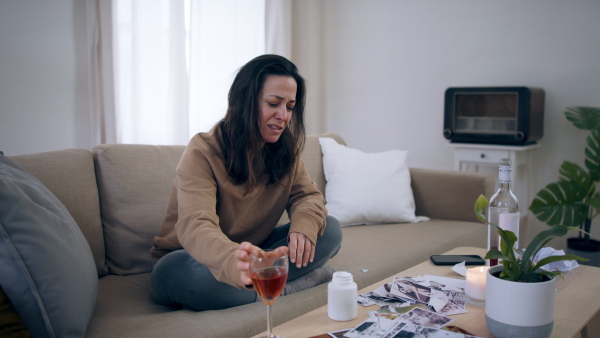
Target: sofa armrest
[{"x": 446, "y": 194}]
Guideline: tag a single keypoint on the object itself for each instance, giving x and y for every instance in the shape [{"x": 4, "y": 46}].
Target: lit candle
[{"x": 475, "y": 287}]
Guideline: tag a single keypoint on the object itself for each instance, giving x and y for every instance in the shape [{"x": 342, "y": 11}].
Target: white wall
[
  {"x": 386, "y": 64},
  {"x": 44, "y": 100}
]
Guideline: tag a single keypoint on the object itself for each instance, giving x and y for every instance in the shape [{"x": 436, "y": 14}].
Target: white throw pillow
[{"x": 367, "y": 188}]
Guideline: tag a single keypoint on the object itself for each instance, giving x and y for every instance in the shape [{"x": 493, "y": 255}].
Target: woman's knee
[
  {"x": 178, "y": 278},
  {"x": 170, "y": 264},
  {"x": 158, "y": 279},
  {"x": 332, "y": 236},
  {"x": 162, "y": 277},
  {"x": 333, "y": 231}
]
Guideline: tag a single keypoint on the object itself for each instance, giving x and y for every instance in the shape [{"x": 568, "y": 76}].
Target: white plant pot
[{"x": 514, "y": 309}]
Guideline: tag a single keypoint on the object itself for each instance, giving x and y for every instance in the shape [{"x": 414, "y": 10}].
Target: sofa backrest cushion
[
  {"x": 69, "y": 175},
  {"x": 432, "y": 188},
  {"x": 134, "y": 183}
]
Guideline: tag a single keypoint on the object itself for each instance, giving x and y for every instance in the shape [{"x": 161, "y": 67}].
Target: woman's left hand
[{"x": 302, "y": 250}]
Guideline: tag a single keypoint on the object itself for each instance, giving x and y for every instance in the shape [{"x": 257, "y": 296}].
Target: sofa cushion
[
  {"x": 141, "y": 317},
  {"x": 372, "y": 253},
  {"x": 134, "y": 183},
  {"x": 46, "y": 265},
  {"x": 367, "y": 188},
  {"x": 69, "y": 175}
]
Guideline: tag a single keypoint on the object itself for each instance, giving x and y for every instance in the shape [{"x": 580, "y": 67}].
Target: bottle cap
[{"x": 342, "y": 276}]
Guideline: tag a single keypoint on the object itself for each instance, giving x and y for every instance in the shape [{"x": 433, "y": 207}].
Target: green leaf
[
  {"x": 594, "y": 202},
  {"x": 507, "y": 246},
  {"x": 480, "y": 205},
  {"x": 561, "y": 203},
  {"x": 512, "y": 239},
  {"x": 540, "y": 240},
  {"x": 520, "y": 252},
  {"x": 572, "y": 172},
  {"x": 577, "y": 229},
  {"x": 509, "y": 242},
  {"x": 511, "y": 270},
  {"x": 495, "y": 254},
  {"x": 549, "y": 274},
  {"x": 592, "y": 153},
  {"x": 587, "y": 118}
]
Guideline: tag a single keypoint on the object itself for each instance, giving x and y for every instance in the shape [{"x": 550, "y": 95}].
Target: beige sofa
[{"x": 117, "y": 194}]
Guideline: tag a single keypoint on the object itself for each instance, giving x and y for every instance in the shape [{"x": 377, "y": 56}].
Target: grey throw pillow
[{"x": 46, "y": 265}]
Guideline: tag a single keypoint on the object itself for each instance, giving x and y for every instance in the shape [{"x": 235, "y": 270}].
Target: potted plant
[
  {"x": 520, "y": 294},
  {"x": 573, "y": 199}
]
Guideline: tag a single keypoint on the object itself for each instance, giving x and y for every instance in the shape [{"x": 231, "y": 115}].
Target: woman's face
[{"x": 276, "y": 101}]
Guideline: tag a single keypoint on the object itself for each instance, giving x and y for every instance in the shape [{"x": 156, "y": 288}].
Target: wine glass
[{"x": 269, "y": 271}]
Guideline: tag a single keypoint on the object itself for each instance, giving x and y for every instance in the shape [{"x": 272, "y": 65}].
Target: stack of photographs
[
  {"x": 442, "y": 295},
  {"x": 411, "y": 307}
]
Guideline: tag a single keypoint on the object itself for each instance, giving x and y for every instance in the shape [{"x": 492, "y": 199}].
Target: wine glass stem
[{"x": 269, "y": 329}]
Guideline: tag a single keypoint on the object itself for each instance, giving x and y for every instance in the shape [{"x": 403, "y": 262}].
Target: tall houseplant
[
  {"x": 574, "y": 200},
  {"x": 520, "y": 294}
]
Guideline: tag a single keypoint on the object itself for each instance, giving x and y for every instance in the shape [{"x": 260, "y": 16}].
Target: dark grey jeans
[{"x": 179, "y": 280}]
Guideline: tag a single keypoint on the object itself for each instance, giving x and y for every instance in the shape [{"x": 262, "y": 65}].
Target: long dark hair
[{"x": 247, "y": 157}]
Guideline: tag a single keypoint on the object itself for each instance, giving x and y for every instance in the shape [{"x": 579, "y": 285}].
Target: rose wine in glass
[{"x": 269, "y": 271}]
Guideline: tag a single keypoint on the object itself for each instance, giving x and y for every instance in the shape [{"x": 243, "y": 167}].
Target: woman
[{"x": 232, "y": 186}]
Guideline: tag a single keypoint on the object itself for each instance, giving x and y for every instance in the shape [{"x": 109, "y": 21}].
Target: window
[{"x": 174, "y": 61}]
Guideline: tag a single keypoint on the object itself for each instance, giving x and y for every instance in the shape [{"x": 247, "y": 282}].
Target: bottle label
[{"x": 504, "y": 174}]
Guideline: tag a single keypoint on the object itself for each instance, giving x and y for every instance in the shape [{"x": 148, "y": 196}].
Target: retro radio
[{"x": 495, "y": 115}]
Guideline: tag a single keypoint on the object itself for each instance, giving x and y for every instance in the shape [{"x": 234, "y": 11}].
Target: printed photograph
[
  {"x": 404, "y": 288},
  {"x": 425, "y": 318}
]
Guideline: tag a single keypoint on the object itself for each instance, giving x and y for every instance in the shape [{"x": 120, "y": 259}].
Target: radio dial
[
  {"x": 447, "y": 133},
  {"x": 520, "y": 136}
]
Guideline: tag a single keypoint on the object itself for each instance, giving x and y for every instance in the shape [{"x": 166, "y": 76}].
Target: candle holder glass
[
  {"x": 475, "y": 285},
  {"x": 474, "y": 301}
]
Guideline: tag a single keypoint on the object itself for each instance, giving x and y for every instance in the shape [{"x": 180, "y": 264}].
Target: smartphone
[{"x": 455, "y": 259}]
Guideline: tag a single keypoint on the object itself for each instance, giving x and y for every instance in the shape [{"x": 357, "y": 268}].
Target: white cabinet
[{"x": 469, "y": 156}]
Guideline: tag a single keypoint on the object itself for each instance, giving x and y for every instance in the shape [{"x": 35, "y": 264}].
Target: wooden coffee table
[{"x": 577, "y": 302}]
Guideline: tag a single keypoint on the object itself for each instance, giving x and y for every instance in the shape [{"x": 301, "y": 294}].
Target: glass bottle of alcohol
[{"x": 503, "y": 208}]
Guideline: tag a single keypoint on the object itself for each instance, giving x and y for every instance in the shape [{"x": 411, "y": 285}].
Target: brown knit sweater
[{"x": 209, "y": 216}]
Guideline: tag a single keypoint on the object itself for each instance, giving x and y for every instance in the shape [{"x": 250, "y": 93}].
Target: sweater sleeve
[
  {"x": 306, "y": 205},
  {"x": 198, "y": 228}
]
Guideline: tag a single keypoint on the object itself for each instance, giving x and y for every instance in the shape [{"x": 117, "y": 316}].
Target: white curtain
[
  {"x": 151, "y": 82},
  {"x": 100, "y": 71},
  {"x": 174, "y": 61},
  {"x": 224, "y": 36},
  {"x": 278, "y": 27}
]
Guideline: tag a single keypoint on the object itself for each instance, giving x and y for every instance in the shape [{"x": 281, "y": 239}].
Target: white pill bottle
[{"x": 341, "y": 297}]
